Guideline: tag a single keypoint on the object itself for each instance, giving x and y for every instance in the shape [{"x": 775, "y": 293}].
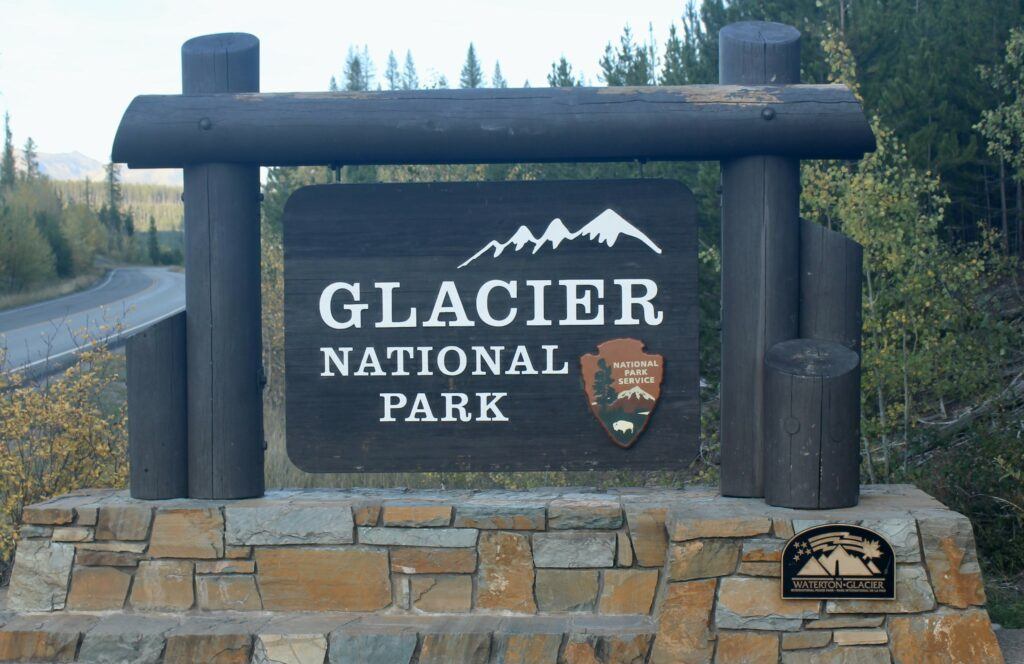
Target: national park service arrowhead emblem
[{"x": 622, "y": 384}]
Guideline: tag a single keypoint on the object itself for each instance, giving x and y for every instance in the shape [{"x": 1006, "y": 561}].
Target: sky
[{"x": 69, "y": 68}]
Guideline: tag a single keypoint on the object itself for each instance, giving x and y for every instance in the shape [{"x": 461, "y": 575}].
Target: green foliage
[
  {"x": 162, "y": 202},
  {"x": 8, "y": 167},
  {"x": 358, "y": 74},
  {"x": 497, "y": 80},
  {"x": 472, "y": 75},
  {"x": 562, "y": 76},
  {"x": 630, "y": 64},
  {"x": 31, "y": 158},
  {"x": 410, "y": 80},
  {"x": 391, "y": 74}
]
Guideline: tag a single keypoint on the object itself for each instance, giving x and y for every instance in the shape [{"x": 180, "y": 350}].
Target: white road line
[{"x": 28, "y": 307}]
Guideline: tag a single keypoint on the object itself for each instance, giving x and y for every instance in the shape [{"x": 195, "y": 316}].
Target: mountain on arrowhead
[
  {"x": 636, "y": 393},
  {"x": 605, "y": 228}
]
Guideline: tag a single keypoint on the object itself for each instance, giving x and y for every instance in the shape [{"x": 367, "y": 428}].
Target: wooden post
[
  {"x": 157, "y": 424},
  {"x": 760, "y": 253},
  {"x": 222, "y": 293},
  {"x": 831, "y": 278},
  {"x": 812, "y": 425}
]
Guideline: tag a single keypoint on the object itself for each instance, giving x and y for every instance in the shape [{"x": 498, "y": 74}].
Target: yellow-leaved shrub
[{"x": 58, "y": 435}]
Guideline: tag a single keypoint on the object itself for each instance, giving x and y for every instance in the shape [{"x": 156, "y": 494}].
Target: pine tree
[
  {"x": 31, "y": 160},
  {"x": 472, "y": 75},
  {"x": 8, "y": 167},
  {"x": 391, "y": 74},
  {"x": 561, "y": 75},
  {"x": 630, "y": 64},
  {"x": 497, "y": 80},
  {"x": 88, "y": 193},
  {"x": 604, "y": 388},
  {"x": 442, "y": 82},
  {"x": 153, "y": 243},
  {"x": 333, "y": 85},
  {"x": 410, "y": 80},
  {"x": 358, "y": 72}
]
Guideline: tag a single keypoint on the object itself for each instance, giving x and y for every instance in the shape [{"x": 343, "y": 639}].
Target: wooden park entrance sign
[
  {"x": 502, "y": 326},
  {"x": 452, "y": 322}
]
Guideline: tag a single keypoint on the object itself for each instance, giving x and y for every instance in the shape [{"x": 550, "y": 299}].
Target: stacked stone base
[{"x": 413, "y": 577}]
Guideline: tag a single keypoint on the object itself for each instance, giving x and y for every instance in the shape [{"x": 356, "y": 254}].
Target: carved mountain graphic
[
  {"x": 838, "y": 562},
  {"x": 606, "y": 228}
]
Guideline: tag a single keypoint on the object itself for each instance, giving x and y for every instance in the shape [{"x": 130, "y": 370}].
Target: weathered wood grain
[
  {"x": 222, "y": 291},
  {"x": 157, "y": 424},
  {"x": 812, "y": 425},
  {"x": 831, "y": 282},
  {"x": 486, "y": 126},
  {"x": 760, "y": 256}
]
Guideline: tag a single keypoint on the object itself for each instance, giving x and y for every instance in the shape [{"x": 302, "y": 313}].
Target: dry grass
[{"x": 50, "y": 291}]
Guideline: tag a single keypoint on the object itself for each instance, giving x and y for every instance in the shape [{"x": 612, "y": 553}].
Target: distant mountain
[
  {"x": 77, "y": 166},
  {"x": 605, "y": 228}
]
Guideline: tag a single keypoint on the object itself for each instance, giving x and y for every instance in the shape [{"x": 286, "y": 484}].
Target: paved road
[{"x": 129, "y": 297}]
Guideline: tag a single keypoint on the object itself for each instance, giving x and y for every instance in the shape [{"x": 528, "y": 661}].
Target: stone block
[
  {"x": 578, "y": 511},
  {"x": 264, "y": 521},
  {"x": 647, "y": 532},
  {"x": 860, "y": 637},
  {"x": 701, "y": 559},
  {"x": 442, "y": 594},
  {"x": 86, "y": 516},
  {"x": 628, "y": 591},
  {"x": 208, "y": 648},
  {"x": 98, "y": 589},
  {"x": 28, "y": 531},
  {"x": 625, "y": 649},
  {"x": 42, "y": 571},
  {"x": 684, "y": 624},
  {"x": 952, "y": 561},
  {"x": 46, "y": 515},
  {"x": 237, "y": 552},
  {"x": 964, "y": 636},
  {"x": 505, "y": 575},
  {"x": 113, "y": 547},
  {"x": 462, "y": 647},
  {"x": 560, "y": 590},
  {"x": 500, "y": 515},
  {"x": 438, "y": 537},
  {"x": 526, "y": 648},
  {"x": 782, "y": 528},
  {"x": 38, "y": 645},
  {"x": 386, "y": 646},
  {"x": 417, "y": 515},
  {"x": 844, "y": 622},
  {"x": 425, "y": 560},
  {"x": 756, "y": 603},
  {"x": 762, "y": 550},
  {"x": 232, "y": 592},
  {"x": 163, "y": 585},
  {"x": 688, "y": 526},
  {"x": 581, "y": 649},
  {"x": 401, "y": 591},
  {"x": 913, "y": 595},
  {"x": 123, "y": 522},
  {"x": 85, "y": 557},
  {"x": 187, "y": 533},
  {"x": 71, "y": 534},
  {"x": 901, "y": 533},
  {"x": 805, "y": 640},
  {"x": 574, "y": 549},
  {"x": 747, "y": 648},
  {"x": 108, "y": 647},
  {"x": 323, "y": 578},
  {"x": 366, "y": 514},
  {"x": 624, "y": 550},
  {"x": 760, "y": 569},
  {"x": 225, "y": 566},
  {"x": 843, "y": 655},
  {"x": 289, "y": 649}
]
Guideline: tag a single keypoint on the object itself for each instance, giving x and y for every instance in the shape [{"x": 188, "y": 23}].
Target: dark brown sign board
[{"x": 448, "y": 326}]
